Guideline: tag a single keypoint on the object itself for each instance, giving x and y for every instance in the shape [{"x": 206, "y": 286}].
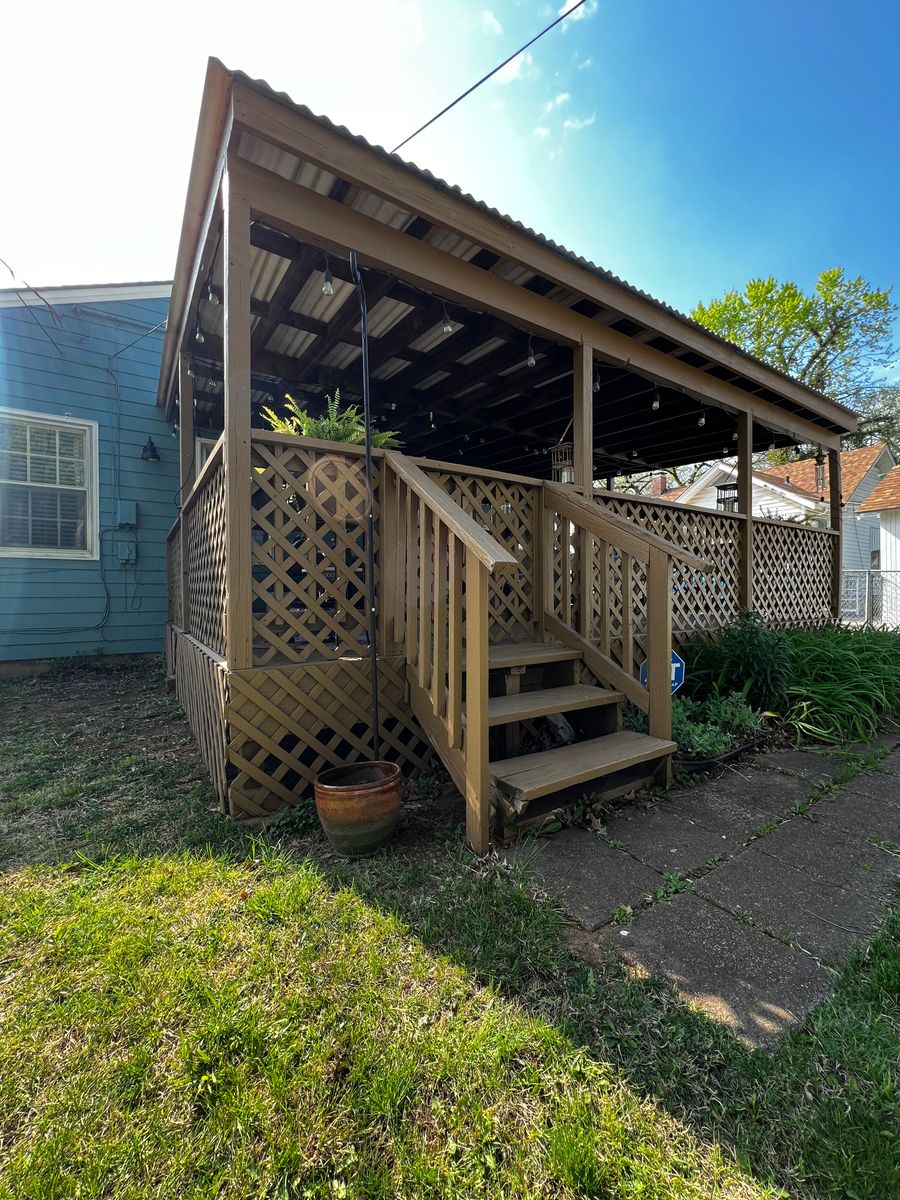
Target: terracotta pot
[{"x": 358, "y": 805}]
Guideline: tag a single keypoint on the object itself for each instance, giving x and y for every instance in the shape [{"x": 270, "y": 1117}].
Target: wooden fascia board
[
  {"x": 334, "y": 228},
  {"x": 210, "y": 148},
  {"x": 279, "y": 125}
]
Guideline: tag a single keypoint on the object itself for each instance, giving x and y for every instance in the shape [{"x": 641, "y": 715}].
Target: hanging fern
[{"x": 337, "y": 425}]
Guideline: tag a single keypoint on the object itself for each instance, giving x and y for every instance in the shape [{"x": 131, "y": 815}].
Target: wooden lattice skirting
[{"x": 265, "y": 733}]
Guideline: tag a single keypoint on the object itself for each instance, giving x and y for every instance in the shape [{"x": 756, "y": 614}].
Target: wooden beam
[
  {"x": 835, "y": 508},
  {"x": 312, "y": 217},
  {"x": 313, "y": 142},
  {"x": 238, "y": 577},
  {"x": 745, "y": 506}
]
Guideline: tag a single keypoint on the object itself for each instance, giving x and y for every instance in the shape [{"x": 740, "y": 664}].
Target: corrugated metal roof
[{"x": 562, "y": 251}]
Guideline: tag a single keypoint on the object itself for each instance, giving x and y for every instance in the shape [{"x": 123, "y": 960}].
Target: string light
[
  {"x": 701, "y": 420},
  {"x": 530, "y": 360},
  {"x": 596, "y": 383},
  {"x": 198, "y": 335},
  {"x": 327, "y": 280},
  {"x": 211, "y": 294},
  {"x": 655, "y": 405},
  {"x": 448, "y": 324},
  {"x": 190, "y": 370},
  {"x": 734, "y": 436},
  {"x": 634, "y": 454}
]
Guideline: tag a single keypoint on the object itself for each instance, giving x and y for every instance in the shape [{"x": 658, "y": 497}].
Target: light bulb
[
  {"x": 724, "y": 449},
  {"x": 530, "y": 360},
  {"x": 655, "y": 404},
  {"x": 634, "y": 454},
  {"x": 447, "y": 326},
  {"x": 211, "y": 294},
  {"x": 596, "y": 384},
  {"x": 734, "y": 436},
  {"x": 702, "y": 420},
  {"x": 198, "y": 336},
  {"x": 327, "y": 283},
  {"x": 190, "y": 370}
]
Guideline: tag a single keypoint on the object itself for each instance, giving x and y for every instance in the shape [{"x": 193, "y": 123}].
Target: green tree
[{"x": 834, "y": 339}]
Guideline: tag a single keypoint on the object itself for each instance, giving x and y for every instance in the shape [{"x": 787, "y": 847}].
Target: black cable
[
  {"x": 370, "y": 506},
  {"x": 485, "y": 78}
]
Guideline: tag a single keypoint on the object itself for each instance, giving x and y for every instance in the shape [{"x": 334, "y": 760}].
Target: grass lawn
[{"x": 188, "y": 1011}]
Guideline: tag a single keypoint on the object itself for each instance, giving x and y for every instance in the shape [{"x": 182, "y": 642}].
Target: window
[
  {"x": 48, "y": 487},
  {"x": 875, "y": 548},
  {"x": 727, "y": 497},
  {"x": 203, "y": 448}
]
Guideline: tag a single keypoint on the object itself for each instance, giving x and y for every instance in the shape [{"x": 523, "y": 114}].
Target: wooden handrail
[
  {"x": 633, "y": 538},
  {"x": 476, "y": 539}
]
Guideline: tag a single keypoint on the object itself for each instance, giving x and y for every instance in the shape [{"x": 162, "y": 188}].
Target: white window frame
[
  {"x": 203, "y": 442},
  {"x": 92, "y": 487}
]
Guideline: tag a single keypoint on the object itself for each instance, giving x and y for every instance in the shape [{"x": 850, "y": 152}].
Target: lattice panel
[
  {"x": 200, "y": 682},
  {"x": 173, "y": 575},
  {"x": 792, "y": 573},
  {"x": 700, "y": 599},
  {"x": 203, "y": 519},
  {"x": 506, "y": 509},
  {"x": 310, "y": 587},
  {"x": 286, "y": 724}
]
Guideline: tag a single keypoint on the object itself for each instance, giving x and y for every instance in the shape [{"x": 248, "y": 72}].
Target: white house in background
[
  {"x": 788, "y": 493},
  {"x": 884, "y": 501}
]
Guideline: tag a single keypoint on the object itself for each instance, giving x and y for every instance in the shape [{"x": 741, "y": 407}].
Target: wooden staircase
[
  {"x": 484, "y": 702},
  {"x": 602, "y": 759}
]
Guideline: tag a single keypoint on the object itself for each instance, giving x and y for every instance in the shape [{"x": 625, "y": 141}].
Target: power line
[{"x": 453, "y": 103}]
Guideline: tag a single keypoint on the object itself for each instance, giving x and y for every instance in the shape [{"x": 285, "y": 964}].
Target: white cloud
[
  {"x": 521, "y": 65},
  {"x": 542, "y": 131},
  {"x": 490, "y": 22},
  {"x": 586, "y": 10},
  {"x": 575, "y": 123},
  {"x": 557, "y": 101},
  {"x": 587, "y": 62}
]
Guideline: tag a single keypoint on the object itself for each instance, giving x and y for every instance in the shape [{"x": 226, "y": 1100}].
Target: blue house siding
[{"x": 52, "y": 607}]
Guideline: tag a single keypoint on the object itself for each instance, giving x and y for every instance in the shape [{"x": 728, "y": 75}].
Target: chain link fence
[{"x": 871, "y": 598}]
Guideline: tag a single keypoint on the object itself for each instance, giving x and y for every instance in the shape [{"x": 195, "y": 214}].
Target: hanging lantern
[
  {"x": 820, "y": 474},
  {"x": 562, "y": 462}
]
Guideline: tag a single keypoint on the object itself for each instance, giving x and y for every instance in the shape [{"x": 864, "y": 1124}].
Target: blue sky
[{"x": 686, "y": 146}]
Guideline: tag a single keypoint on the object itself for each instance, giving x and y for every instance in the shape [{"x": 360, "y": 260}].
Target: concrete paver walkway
[{"x": 787, "y": 875}]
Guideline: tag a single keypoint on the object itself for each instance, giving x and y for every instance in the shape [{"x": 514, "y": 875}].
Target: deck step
[
  {"x": 504, "y": 655},
  {"x": 527, "y": 705},
  {"x": 529, "y": 776}
]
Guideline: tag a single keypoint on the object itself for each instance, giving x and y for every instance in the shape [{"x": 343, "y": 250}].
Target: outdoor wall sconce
[{"x": 149, "y": 452}]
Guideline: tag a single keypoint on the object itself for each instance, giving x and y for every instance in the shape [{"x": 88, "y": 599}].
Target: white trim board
[{"x": 84, "y": 294}]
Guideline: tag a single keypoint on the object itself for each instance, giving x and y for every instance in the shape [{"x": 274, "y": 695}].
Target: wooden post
[
  {"x": 542, "y": 560},
  {"x": 745, "y": 506},
  {"x": 659, "y": 647},
  {"x": 478, "y": 779},
  {"x": 583, "y": 456},
  {"x": 186, "y": 475},
  {"x": 834, "y": 497},
  {"x": 238, "y": 580},
  {"x": 583, "y": 417},
  {"x": 389, "y": 558}
]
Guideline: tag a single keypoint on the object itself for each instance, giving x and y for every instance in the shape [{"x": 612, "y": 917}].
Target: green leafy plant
[
  {"x": 844, "y": 682},
  {"x": 746, "y": 658},
  {"x": 337, "y": 425},
  {"x": 707, "y": 728}
]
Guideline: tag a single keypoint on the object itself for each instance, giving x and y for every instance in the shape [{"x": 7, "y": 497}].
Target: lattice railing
[
  {"x": 308, "y": 520},
  {"x": 506, "y": 508},
  {"x": 173, "y": 575},
  {"x": 705, "y": 599},
  {"x": 203, "y": 523},
  {"x": 792, "y": 573}
]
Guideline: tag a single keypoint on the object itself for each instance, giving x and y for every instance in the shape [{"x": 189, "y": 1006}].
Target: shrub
[
  {"x": 843, "y": 683},
  {"x": 337, "y": 425},
  {"x": 705, "y": 729},
  {"x": 745, "y": 658}
]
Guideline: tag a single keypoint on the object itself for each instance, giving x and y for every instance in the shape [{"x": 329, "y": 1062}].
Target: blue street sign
[{"x": 677, "y": 672}]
